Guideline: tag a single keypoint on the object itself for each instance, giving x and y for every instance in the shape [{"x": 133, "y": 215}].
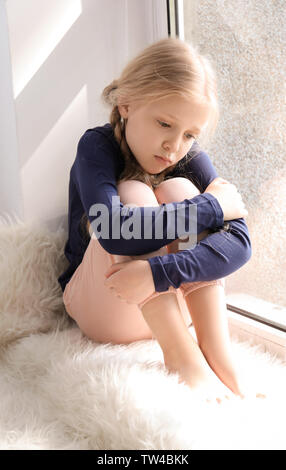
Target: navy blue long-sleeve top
[{"x": 93, "y": 177}]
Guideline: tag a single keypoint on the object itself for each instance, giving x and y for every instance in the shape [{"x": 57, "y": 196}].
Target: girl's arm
[{"x": 214, "y": 257}]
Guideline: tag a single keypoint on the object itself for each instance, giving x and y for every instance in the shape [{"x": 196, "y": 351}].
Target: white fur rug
[{"x": 59, "y": 390}]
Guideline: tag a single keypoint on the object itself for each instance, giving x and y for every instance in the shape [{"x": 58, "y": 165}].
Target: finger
[
  {"x": 113, "y": 290},
  {"x": 112, "y": 269},
  {"x": 108, "y": 284}
]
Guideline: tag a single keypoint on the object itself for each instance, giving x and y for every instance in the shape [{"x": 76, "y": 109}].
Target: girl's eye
[{"x": 164, "y": 124}]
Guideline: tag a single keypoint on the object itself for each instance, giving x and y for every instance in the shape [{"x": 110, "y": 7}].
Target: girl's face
[{"x": 162, "y": 129}]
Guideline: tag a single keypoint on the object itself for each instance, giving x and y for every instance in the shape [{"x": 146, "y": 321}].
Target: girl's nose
[{"x": 172, "y": 146}]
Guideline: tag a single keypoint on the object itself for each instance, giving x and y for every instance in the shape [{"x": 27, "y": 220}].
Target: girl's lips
[{"x": 166, "y": 162}]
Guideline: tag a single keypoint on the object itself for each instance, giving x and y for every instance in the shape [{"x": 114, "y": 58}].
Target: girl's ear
[{"x": 123, "y": 110}]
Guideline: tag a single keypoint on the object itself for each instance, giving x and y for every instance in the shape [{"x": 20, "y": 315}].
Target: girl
[{"x": 147, "y": 159}]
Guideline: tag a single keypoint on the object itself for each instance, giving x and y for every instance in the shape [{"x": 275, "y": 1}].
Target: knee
[
  {"x": 137, "y": 193},
  {"x": 176, "y": 190},
  {"x": 133, "y": 192}
]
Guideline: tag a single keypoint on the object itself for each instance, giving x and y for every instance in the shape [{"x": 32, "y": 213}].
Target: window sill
[{"x": 258, "y": 321}]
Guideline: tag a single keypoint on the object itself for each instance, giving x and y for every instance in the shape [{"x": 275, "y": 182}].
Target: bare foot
[
  {"x": 249, "y": 391},
  {"x": 238, "y": 386},
  {"x": 199, "y": 377}
]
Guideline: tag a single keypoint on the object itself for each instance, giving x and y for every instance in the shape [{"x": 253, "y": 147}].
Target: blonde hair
[{"x": 165, "y": 68}]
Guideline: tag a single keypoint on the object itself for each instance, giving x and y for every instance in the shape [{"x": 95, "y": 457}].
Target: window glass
[{"x": 246, "y": 43}]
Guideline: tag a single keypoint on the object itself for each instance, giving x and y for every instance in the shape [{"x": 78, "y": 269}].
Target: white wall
[
  {"x": 63, "y": 53},
  {"x": 10, "y": 184}
]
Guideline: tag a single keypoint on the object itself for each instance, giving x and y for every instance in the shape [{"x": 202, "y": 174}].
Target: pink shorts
[{"x": 97, "y": 310}]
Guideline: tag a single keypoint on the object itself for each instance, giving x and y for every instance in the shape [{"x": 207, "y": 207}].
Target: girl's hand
[
  {"x": 131, "y": 280},
  {"x": 228, "y": 197}
]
